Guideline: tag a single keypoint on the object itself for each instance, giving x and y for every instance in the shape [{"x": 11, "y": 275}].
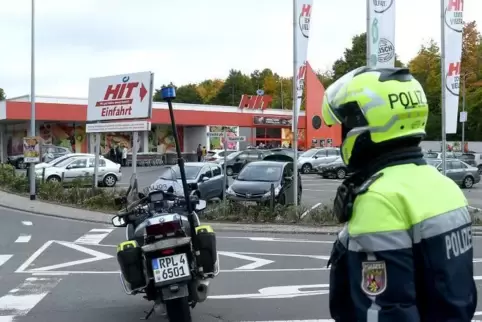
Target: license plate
[
  {"x": 170, "y": 268},
  {"x": 250, "y": 203}
]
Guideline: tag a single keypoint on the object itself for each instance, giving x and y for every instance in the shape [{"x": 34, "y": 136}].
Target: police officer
[{"x": 405, "y": 252}]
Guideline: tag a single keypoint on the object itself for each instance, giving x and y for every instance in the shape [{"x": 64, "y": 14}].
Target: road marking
[
  {"x": 281, "y": 240},
  {"x": 286, "y": 255},
  {"x": 19, "y": 301},
  {"x": 96, "y": 256},
  {"x": 256, "y": 262},
  {"x": 303, "y": 215},
  {"x": 4, "y": 259},
  {"x": 27, "y": 223},
  {"x": 94, "y": 236},
  {"x": 320, "y": 190},
  {"x": 279, "y": 292},
  {"x": 23, "y": 239}
]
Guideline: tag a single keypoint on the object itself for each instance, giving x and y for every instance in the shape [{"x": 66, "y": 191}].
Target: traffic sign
[
  {"x": 237, "y": 138},
  {"x": 215, "y": 134},
  {"x": 463, "y": 117}
]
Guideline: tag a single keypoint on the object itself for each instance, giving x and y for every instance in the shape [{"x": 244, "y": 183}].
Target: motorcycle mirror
[
  {"x": 141, "y": 195},
  {"x": 201, "y": 205},
  {"x": 118, "y": 221}
]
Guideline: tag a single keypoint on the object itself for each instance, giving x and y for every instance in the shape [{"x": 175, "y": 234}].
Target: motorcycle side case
[
  {"x": 129, "y": 257},
  {"x": 207, "y": 248}
]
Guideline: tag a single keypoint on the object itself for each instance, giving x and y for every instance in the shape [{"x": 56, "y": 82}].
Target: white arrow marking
[
  {"x": 257, "y": 262},
  {"x": 96, "y": 256},
  {"x": 281, "y": 240},
  {"x": 279, "y": 292},
  {"x": 94, "y": 236}
]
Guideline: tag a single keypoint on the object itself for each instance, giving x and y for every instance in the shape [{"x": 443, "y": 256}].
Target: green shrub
[
  {"x": 239, "y": 212},
  {"x": 78, "y": 193}
]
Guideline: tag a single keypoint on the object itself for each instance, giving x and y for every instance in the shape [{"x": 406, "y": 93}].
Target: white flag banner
[
  {"x": 453, "y": 25},
  {"x": 302, "y": 28},
  {"x": 381, "y": 33}
]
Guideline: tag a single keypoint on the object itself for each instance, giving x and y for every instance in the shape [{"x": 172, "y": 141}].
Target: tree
[
  {"x": 2, "y": 94},
  {"x": 208, "y": 89},
  {"x": 355, "y": 57},
  {"x": 425, "y": 67},
  {"x": 235, "y": 85},
  {"x": 184, "y": 94}
]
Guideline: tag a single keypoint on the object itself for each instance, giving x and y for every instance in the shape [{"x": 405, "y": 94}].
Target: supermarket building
[{"x": 61, "y": 122}]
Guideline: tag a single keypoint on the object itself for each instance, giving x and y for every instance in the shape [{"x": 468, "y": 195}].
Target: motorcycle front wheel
[{"x": 178, "y": 310}]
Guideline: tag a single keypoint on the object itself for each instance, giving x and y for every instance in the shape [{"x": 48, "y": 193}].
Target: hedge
[{"x": 78, "y": 193}]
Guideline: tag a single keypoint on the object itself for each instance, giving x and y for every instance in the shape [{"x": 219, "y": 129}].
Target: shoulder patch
[
  {"x": 374, "y": 278},
  {"x": 364, "y": 187}
]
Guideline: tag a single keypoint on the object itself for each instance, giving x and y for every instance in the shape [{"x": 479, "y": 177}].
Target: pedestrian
[
  {"x": 118, "y": 154},
  {"x": 199, "y": 153},
  {"x": 405, "y": 252},
  {"x": 124, "y": 156},
  {"x": 204, "y": 151}
]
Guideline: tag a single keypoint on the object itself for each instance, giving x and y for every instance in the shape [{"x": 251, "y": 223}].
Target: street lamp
[{"x": 32, "y": 99}]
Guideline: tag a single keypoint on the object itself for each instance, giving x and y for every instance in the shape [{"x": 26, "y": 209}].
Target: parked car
[
  {"x": 438, "y": 155},
  {"x": 49, "y": 152},
  {"x": 70, "y": 169},
  {"x": 62, "y": 158},
  {"x": 460, "y": 172},
  {"x": 205, "y": 179},
  {"x": 253, "y": 184},
  {"x": 215, "y": 155},
  {"x": 237, "y": 160},
  {"x": 287, "y": 151},
  {"x": 473, "y": 159},
  {"x": 335, "y": 169},
  {"x": 312, "y": 158}
]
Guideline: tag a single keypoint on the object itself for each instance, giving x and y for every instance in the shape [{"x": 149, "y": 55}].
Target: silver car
[
  {"x": 460, "y": 172},
  {"x": 205, "y": 179},
  {"x": 313, "y": 158},
  {"x": 77, "y": 167}
]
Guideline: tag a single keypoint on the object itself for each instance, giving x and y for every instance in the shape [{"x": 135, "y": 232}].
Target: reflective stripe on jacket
[{"x": 409, "y": 251}]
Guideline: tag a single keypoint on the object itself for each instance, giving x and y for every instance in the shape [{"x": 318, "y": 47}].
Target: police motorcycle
[{"x": 168, "y": 256}]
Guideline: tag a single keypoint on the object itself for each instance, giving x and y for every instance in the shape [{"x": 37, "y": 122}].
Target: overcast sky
[{"x": 185, "y": 40}]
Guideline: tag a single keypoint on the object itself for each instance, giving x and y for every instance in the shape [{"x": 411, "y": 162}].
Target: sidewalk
[{"x": 20, "y": 203}]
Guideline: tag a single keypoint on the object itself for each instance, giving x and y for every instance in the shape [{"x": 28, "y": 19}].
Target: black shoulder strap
[{"x": 365, "y": 185}]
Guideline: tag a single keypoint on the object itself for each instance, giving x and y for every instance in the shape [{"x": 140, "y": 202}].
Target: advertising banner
[
  {"x": 381, "y": 33},
  {"x": 120, "y": 97},
  {"x": 31, "y": 149},
  {"x": 302, "y": 30},
  {"x": 453, "y": 25}
]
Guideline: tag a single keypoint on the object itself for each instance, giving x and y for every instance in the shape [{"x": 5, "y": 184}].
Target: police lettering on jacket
[
  {"x": 409, "y": 99},
  {"x": 458, "y": 242}
]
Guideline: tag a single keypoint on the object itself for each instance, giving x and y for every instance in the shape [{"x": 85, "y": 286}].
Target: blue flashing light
[{"x": 168, "y": 93}]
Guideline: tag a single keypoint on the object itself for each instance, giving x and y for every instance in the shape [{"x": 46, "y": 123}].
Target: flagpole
[
  {"x": 443, "y": 82},
  {"x": 295, "y": 107},
  {"x": 32, "y": 99},
  {"x": 368, "y": 35}
]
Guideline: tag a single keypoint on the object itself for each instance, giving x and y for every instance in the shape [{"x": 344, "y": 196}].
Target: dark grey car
[
  {"x": 204, "y": 179},
  {"x": 460, "y": 172}
]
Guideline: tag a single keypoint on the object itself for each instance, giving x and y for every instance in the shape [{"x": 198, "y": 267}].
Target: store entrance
[{"x": 269, "y": 137}]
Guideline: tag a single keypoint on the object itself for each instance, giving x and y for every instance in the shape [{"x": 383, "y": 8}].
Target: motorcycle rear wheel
[{"x": 178, "y": 310}]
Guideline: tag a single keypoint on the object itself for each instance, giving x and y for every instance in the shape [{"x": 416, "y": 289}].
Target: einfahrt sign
[{"x": 120, "y": 97}]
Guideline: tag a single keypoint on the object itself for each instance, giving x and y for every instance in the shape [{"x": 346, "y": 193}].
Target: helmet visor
[{"x": 331, "y": 114}]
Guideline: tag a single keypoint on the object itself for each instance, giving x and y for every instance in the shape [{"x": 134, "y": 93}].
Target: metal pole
[
  {"x": 368, "y": 44},
  {"x": 96, "y": 160},
  {"x": 442, "y": 65},
  {"x": 463, "y": 110},
  {"x": 32, "y": 99},
  {"x": 295, "y": 107},
  {"x": 225, "y": 177},
  {"x": 135, "y": 147}
]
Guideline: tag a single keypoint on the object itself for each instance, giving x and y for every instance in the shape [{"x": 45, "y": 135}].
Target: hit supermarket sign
[{"x": 120, "y": 97}]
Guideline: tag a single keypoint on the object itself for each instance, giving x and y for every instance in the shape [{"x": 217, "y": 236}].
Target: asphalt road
[{"x": 55, "y": 270}]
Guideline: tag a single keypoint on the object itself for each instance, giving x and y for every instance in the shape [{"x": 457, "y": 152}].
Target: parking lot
[{"x": 315, "y": 189}]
